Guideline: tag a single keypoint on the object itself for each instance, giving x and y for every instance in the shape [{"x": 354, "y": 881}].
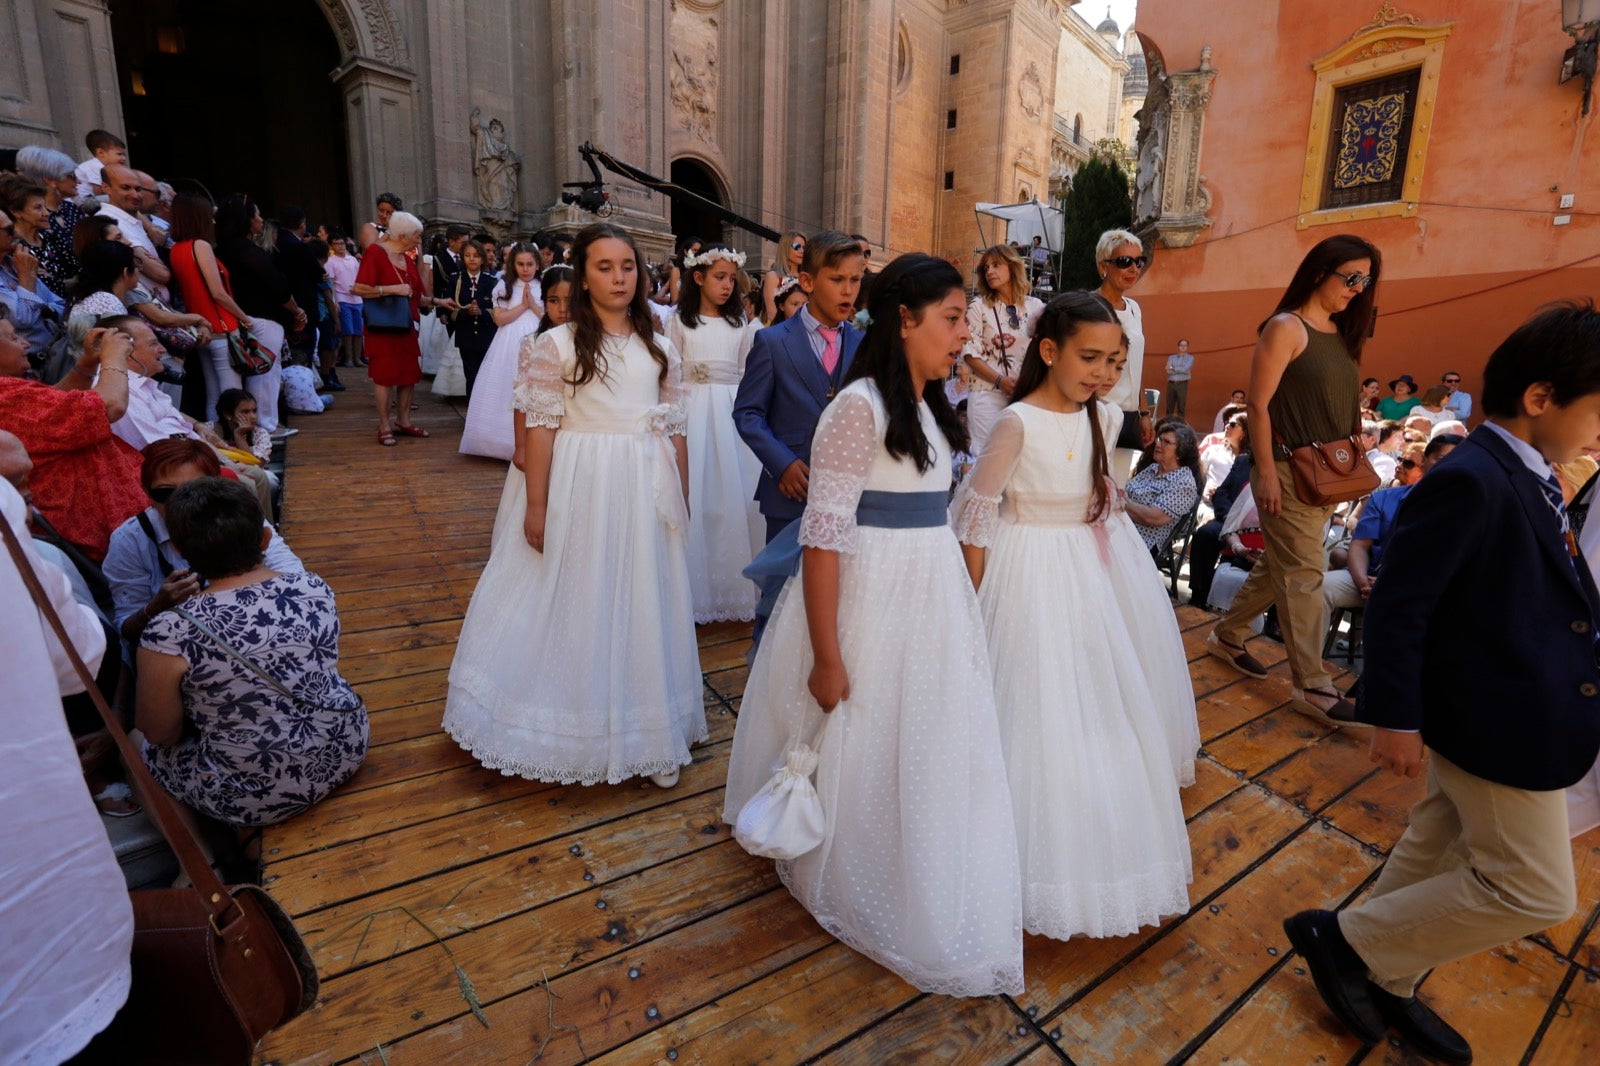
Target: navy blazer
[
  {"x": 474, "y": 334},
  {"x": 780, "y": 399},
  {"x": 1481, "y": 631}
]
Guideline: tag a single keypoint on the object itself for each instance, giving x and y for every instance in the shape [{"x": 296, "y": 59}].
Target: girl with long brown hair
[{"x": 577, "y": 660}]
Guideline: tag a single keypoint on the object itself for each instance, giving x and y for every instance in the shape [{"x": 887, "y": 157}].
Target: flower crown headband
[{"x": 711, "y": 255}]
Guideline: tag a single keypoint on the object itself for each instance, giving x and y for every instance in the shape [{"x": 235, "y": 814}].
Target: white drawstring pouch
[{"x": 785, "y": 819}]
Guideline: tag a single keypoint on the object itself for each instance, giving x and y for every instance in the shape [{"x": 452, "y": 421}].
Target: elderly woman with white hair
[
  {"x": 1121, "y": 260},
  {"x": 56, "y": 172},
  {"x": 394, "y": 359}
]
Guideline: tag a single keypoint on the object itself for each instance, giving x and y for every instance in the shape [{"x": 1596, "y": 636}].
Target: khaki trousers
[
  {"x": 1291, "y": 577},
  {"x": 1480, "y": 864}
]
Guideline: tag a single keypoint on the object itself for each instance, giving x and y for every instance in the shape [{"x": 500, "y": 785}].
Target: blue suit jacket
[
  {"x": 1481, "y": 632},
  {"x": 780, "y": 399}
]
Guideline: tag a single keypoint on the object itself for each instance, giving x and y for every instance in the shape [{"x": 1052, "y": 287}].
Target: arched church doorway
[
  {"x": 236, "y": 95},
  {"x": 691, "y": 218}
]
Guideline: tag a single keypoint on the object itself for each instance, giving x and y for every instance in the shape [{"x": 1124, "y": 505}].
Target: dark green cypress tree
[{"x": 1098, "y": 200}]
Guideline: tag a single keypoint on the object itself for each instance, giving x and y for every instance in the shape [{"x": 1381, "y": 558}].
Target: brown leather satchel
[
  {"x": 1332, "y": 473},
  {"x": 215, "y": 968}
]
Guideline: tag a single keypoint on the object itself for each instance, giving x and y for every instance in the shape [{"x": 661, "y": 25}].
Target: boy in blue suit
[
  {"x": 1481, "y": 647},
  {"x": 793, "y": 371}
]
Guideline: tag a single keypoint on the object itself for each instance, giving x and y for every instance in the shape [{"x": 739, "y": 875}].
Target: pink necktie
[{"x": 830, "y": 351}]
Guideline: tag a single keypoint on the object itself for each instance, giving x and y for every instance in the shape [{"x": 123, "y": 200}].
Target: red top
[
  {"x": 376, "y": 269},
  {"x": 196, "y": 295},
  {"x": 84, "y": 480}
]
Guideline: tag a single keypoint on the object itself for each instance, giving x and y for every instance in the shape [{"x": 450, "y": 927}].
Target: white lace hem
[
  {"x": 1107, "y": 909},
  {"x": 588, "y": 775},
  {"x": 72, "y": 1034},
  {"x": 533, "y": 418},
  {"x": 982, "y": 980},
  {"x": 828, "y": 530},
  {"x": 977, "y": 519},
  {"x": 729, "y": 614}
]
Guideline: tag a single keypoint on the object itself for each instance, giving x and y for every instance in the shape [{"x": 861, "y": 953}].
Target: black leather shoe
[
  {"x": 1340, "y": 974},
  {"x": 1422, "y": 1028}
]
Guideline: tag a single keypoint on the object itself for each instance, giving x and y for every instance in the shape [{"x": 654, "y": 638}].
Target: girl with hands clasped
[
  {"x": 918, "y": 866},
  {"x": 1091, "y": 683},
  {"x": 516, "y": 313},
  {"x": 577, "y": 660}
]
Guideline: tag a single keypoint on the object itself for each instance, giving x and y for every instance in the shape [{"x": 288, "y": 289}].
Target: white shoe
[
  {"x": 282, "y": 432},
  {"x": 666, "y": 780}
]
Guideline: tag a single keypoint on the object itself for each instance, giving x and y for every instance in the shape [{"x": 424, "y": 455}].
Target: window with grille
[{"x": 1369, "y": 140}]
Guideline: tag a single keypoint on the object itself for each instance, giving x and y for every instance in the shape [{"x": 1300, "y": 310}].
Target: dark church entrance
[
  {"x": 689, "y": 218},
  {"x": 235, "y": 95}
]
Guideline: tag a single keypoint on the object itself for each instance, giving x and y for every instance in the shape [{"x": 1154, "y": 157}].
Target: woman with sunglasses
[
  {"x": 1121, "y": 261},
  {"x": 1000, "y": 324},
  {"x": 1304, "y": 388},
  {"x": 791, "y": 251}
]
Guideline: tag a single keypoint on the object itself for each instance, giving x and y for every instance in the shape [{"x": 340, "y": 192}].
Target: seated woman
[
  {"x": 244, "y": 715},
  {"x": 147, "y": 572},
  {"x": 85, "y": 481},
  {"x": 1167, "y": 489}
]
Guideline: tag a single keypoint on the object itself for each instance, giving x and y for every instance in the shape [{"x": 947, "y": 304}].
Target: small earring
[{"x": 1048, "y": 363}]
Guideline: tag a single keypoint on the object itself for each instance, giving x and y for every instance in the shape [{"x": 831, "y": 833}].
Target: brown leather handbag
[
  {"x": 1332, "y": 473},
  {"x": 215, "y": 968}
]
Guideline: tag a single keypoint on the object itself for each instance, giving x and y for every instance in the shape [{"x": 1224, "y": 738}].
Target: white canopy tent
[{"x": 1023, "y": 222}]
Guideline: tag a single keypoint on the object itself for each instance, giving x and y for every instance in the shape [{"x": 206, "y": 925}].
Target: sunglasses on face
[
  {"x": 1409, "y": 464},
  {"x": 161, "y": 493},
  {"x": 1452, "y": 381},
  {"x": 1167, "y": 442},
  {"x": 1354, "y": 281},
  {"x": 798, "y": 246},
  {"x": 1123, "y": 262}
]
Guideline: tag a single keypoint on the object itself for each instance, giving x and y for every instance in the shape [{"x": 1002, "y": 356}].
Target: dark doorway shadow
[{"x": 689, "y": 218}]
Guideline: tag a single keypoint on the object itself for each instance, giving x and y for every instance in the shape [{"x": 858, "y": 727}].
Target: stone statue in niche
[
  {"x": 1152, "y": 152},
  {"x": 495, "y": 166}
]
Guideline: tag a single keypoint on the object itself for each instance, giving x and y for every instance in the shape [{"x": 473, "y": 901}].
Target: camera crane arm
[{"x": 592, "y": 195}]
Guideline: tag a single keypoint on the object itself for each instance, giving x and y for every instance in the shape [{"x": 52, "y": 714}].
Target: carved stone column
[{"x": 1184, "y": 198}]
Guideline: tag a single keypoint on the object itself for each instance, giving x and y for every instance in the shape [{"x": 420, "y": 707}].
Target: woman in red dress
[
  {"x": 85, "y": 481},
  {"x": 394, "y": 359}
]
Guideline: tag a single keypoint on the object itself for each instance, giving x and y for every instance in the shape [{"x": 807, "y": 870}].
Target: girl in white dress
[
  {"x": 517, "y": 312},
  {"x": 725, "y": 526},
  {"x": 1000, "y": 320},
  {"x": 577, "y": 659},
  {"x": 1089, "y": 668},
  {"x": 880, "y": 636}
]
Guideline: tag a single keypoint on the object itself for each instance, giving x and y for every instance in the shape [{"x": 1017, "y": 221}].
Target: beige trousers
[
  {"x": 1480, "y": 864},
  {"x": 1291, "y": 577}
]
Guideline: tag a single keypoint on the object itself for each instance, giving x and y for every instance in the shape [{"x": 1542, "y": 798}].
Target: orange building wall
[{"x": 1507, "y": 141}]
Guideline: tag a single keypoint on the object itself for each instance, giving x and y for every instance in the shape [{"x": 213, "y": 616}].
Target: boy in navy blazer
[
  {"x": 793, "y": 371},
  {"x": 1481, "y": 647}
]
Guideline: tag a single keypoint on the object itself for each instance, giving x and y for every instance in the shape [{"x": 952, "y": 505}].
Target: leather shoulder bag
[
  {"x": 215, "y": 968},
  {"x": 1332, "y": 473}
]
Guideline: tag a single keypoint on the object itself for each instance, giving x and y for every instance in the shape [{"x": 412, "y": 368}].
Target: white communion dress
[
  {"x": 580, "y": 663},
  {"x": 918, "y": 867},
  {"x": 488, "y": 428},
  {"x": 1091, "y": 684},
  {"x": 725, "y": 525}
]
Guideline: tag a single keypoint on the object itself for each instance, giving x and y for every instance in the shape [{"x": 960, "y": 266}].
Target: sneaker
[{"x": 1238, "y": 658}]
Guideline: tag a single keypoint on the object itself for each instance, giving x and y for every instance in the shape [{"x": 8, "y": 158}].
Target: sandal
[
  {"x": 386, "y": 438},
  {"x": 411, "y": 431},
  {"x": 1340, "y": 711}
]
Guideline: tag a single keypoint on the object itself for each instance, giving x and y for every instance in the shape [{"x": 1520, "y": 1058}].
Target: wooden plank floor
[{"x": 623, "y": 924}]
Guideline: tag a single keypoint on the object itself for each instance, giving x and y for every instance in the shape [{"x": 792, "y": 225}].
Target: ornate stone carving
[
  {"x": 694, "y": 93},
  {"x": 388, "y": 42},
  {"x": 495, "y": 167},
  {"x": 1383, "y": 48},
  {"x": 1170, "y": 195},
  {"x": 1386, "y": 16},
  {"x": 339, "y": 18},
  {"x": 1030, "y": 92}
]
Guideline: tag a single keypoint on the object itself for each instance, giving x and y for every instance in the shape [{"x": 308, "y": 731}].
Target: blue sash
[{"x": 780, "y": 559}]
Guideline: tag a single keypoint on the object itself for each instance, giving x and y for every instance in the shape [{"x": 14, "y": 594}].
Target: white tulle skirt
[
  {"x": 1098, "y": 721},
  {"x": 919, "y": 866},
  {"x": 580, "y": 664},
  {"x": 433, "y": 340},
  {"x": 488, "y": 431},
  {"x": 450, "y": 379},
  {"x": 725, "y": 527}
]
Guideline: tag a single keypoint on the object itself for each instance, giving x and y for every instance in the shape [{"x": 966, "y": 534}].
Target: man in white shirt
[
  {"x": 1236, "y": 399},
  {"x": 125, "y": 198},
  {"x": 1180, "y": 365},
  {"x": 1382, "y": 461}
]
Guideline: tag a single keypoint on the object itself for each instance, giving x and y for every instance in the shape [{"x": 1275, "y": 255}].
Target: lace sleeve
[
  {"x": 841, "y": 457},
  {"x": 976, "y": 509},
  {"x": 539, "y": 393},
  {"x": 674, "y": 394}
]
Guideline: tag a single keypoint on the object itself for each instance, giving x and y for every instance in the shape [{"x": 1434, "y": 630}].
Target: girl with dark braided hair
[{"x": 880, "y": 639}]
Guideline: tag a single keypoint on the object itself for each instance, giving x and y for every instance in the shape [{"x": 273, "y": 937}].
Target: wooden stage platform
[{"x": 458, "y": 916}]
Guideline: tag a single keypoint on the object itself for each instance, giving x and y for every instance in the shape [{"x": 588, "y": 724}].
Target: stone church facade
[{"x": 884, "y": 117}]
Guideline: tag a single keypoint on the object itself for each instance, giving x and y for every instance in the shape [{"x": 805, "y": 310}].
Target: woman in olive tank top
[{"x": 1304, "y": 388}]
